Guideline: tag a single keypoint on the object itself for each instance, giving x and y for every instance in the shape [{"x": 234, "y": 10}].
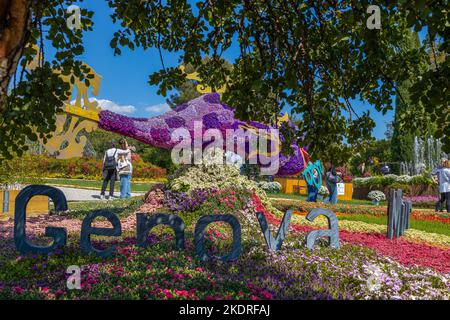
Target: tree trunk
[{"x": 15, "y": 18}]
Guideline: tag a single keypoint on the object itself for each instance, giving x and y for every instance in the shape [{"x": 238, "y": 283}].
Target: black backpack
[{"x": 110, "y": 162}]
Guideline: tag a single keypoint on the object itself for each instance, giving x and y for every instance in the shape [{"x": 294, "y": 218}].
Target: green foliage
[
  {"x": 26, "y": 167},
  {"x": 373, "y": 150},
  {"x": 100, "y": 141},
  {"x": 159, "y": 157},
  {"x": 390, "y": 180},
  {"x": 313, "y": 56},
  {"x": 37, "y": 95}
]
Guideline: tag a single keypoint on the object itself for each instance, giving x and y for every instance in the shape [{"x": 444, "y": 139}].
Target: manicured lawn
[
  {"x": 120, "y": 207},
  {"x": 423, "y": 225},
  {"x": 303, "y": 198},
  {"x": 96, "y": 184}
]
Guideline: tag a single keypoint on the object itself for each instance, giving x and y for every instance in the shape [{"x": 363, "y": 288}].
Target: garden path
[{"x": 77, "y": 194}]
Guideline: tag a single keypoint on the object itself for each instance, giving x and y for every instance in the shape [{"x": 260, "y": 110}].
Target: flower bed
[{"x": 367, "y": 266}]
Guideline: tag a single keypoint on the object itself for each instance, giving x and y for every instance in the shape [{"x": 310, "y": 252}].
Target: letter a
[{"x": 374, "y": 21}]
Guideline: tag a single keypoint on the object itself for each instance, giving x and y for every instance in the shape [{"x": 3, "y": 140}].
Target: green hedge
[
  {"x": 393, "y": 181},
  {"x": 26, "y": 167}
]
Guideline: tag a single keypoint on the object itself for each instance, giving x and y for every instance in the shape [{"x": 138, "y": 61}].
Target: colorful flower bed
[{"x": 367, "y": 266}]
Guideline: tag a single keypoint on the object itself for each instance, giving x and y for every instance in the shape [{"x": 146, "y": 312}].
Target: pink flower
[{"x": 18, "y": 290}]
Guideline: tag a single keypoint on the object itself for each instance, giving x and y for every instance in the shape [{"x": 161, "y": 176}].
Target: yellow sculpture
[
  {"x": 81, "y": 117},
  {"x": 200, "y": 87},
  {"x": 284, "y": 118}
]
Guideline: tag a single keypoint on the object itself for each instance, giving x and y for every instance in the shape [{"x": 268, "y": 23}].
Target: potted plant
[
  {"x": 376, "y": 196},
  {"x": 323, "y": 192}
]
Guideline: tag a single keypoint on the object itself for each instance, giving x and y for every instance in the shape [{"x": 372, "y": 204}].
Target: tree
[
  {"x": 30, "y": 99},
  {"x": 403, "y": 136},
  {"x": 315, "y": 56},
  {"x": 312, "y": 55},
  {"x": 186, "y": 92}
]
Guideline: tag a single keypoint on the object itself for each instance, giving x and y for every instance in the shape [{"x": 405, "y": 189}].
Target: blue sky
[{"x": 125, "y": 87}]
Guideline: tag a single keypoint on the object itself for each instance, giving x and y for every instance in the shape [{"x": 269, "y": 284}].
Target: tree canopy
[{"x": 315, "y": 56}]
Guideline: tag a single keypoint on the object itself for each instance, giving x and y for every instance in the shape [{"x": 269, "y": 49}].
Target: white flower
[{"x": 373, "y": 283}]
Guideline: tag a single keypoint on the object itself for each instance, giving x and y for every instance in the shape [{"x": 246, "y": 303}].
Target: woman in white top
[
  {"x": 444, "y": 183},
  {"x": 124, "y": 169},
  {"x": 125, "y": 178}
]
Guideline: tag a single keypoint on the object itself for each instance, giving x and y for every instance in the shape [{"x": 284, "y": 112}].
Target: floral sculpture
[{"x": 210, "y": 111}]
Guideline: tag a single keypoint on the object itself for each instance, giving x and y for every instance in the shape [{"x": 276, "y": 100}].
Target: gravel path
[{"x": 76, "y": 194}]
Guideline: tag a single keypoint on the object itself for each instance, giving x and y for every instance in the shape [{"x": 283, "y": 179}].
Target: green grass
[
  {"x": 292, "y": 196},
  {"x": 423, "y": 225},
  {"x": 95, "y": 184},
  {"x": 120, "y": 207}
]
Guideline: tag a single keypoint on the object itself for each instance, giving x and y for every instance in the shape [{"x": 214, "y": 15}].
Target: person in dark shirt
[{"x": 332, "y": 178}]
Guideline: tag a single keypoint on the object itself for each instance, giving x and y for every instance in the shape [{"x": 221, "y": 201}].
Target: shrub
[
  {"x": 391, "y": 180},
  {"x": 323, "y": 191},
  {"x": 273, "y": 187},
  {"x": 376, "y": 195}
]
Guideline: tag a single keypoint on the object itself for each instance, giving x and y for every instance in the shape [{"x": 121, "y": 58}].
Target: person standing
[
  {"x": 124, "y": 145},
  {"x": 436, "y": 175},
  {"x": 332, "y": 178},
  {"x": 109, "y": 170},
  {"x": 444, "y": 184},
  {"x": 124, "y": 169}
]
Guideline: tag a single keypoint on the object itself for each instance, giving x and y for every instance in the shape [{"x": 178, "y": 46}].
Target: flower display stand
[{"x": 298, "y": 186}]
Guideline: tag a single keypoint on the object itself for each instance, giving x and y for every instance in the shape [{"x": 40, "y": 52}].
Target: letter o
[{"x": 203, "y": 222}]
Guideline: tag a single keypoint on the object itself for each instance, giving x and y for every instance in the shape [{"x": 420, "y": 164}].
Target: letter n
[{"x": 145, "y": 223}]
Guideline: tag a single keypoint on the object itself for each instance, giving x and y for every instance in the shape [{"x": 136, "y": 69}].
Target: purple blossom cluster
[
  {"x": 417, "y": 199},
  {"x": 181, "y": 201}
]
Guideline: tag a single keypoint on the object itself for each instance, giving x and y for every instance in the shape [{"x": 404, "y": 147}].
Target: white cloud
[
  {"x": 105, "y": 104},
  {"x": 158, "y": 108}
]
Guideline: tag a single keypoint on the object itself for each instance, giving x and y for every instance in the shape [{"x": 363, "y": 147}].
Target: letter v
[{"x": 275, "y": 243}]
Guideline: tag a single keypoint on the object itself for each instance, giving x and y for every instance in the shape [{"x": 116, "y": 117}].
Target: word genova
[
  {"x": 257, "y": 146},
  {"x": 145, "y": 223}
]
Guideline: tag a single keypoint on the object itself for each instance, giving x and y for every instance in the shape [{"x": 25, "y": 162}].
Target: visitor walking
[
  {"x": 109, "y": 170},
  {"x": 444, "y": 184},
  {"x": 332, "y": 178},
  {"x": 124, "y": 169},
  {"x": 436, "y": 174}
]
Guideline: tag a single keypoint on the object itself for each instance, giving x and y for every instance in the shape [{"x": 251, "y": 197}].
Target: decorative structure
[
  {"x": 308, "y": 173},
  {"x": 333, "y": 229},
  {"x": 145, "y": 224},
  {"x": 59, "y": 235},
  {"x": 207, "y": 109},
  {"x": 399, "y": 212},
  {"x": 275, "y": 244},
  {"x": 69, "y": 140},
  {"x": 201, "y": 88},
  {"x": 200, "y": 228}
]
